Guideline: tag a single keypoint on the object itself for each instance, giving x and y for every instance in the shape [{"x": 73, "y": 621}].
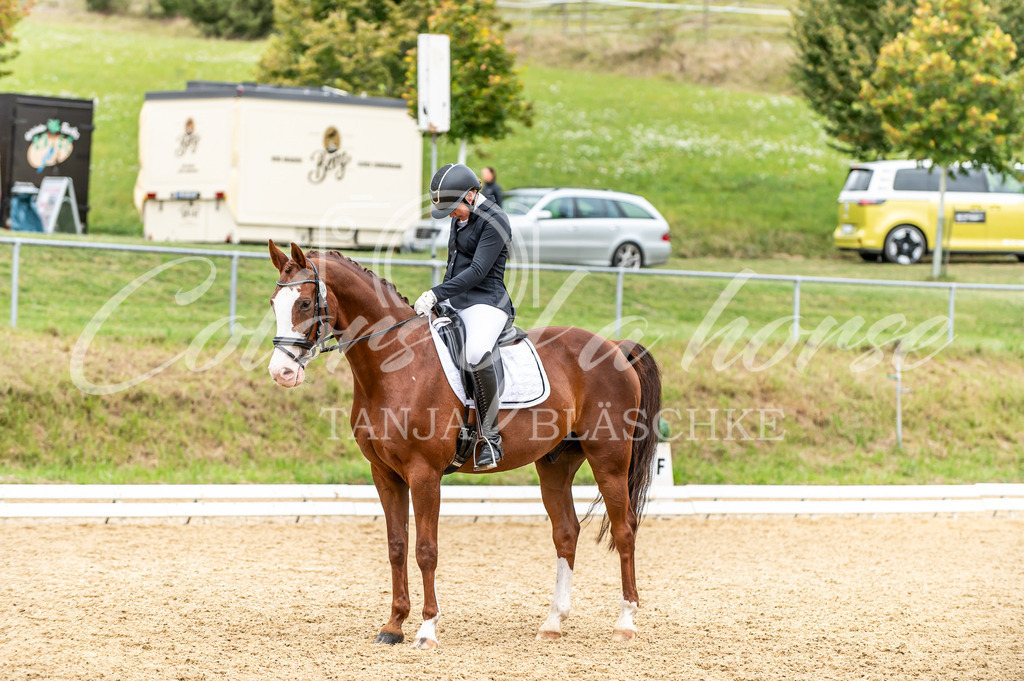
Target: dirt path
[{"x": 815, "y": 599}]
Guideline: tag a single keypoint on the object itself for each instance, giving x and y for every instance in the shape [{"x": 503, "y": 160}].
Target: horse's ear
[
  {"x": 277, "y": 256},
  {"x": 299, "y": 257}
]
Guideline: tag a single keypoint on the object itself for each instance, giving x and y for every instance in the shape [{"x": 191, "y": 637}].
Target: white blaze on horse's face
[{"x": 283, "y": 369}]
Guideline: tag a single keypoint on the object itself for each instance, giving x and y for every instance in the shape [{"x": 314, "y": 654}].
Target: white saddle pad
[{"x": 526, "y": 382}]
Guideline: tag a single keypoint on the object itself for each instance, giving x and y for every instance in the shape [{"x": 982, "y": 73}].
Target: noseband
[{"x": 313, "y": 349}]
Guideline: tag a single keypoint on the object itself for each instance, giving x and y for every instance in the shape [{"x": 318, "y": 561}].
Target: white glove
[{"x": 426, "y": 301}]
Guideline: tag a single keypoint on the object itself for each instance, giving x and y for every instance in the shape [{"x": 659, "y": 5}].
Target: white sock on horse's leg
[
  {"x": 625, "y": 629},
  {"x": 560, "y": 603},
  {"x": 426, "y": 637}
]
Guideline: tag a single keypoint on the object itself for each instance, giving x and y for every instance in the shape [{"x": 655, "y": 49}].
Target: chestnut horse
[{"x": 603, "y": 408}]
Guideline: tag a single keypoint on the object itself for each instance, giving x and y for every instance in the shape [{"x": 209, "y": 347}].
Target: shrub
[
  {"x": 107, "y": 6},
  {"x": 170, "y": 8},
  {"x": 247, "y": 19}
]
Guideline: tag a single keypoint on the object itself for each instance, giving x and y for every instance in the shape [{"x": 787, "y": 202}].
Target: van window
[
  {"x": 916, "y": 180},
  {"x": 1004, "y": 184},
  {"x": 858, "y": 180},
  {"x": 973, "y": 181},
  {"x": 927, "y": 180}
]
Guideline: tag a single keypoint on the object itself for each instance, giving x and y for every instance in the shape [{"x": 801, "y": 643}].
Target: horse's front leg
[
  {"x": 394, "y": 497},
  {"x": 426, "y": 503}
]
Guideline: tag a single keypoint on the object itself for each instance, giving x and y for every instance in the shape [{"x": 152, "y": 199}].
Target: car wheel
[
  {"x": 628, "y": 255},
  {"x": 1020, "y": 257},
  {"x": 904, "y": 245},
  {"x": 870, "y": 257}
]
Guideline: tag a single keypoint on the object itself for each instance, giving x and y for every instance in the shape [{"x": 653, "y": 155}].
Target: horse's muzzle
[{"x": 286, "y": 372}]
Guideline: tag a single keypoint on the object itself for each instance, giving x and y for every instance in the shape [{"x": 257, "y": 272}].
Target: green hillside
[{"x": 735, "y": 173}]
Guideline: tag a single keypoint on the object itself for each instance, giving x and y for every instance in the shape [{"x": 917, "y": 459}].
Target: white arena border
[{"x": 80, "y": 502}]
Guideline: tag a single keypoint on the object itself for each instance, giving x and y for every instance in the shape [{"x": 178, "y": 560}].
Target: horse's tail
[{"x": 645, "y": 434}]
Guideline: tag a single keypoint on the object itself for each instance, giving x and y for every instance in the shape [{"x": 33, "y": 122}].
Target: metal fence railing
[{"x": 437, "y": 267}]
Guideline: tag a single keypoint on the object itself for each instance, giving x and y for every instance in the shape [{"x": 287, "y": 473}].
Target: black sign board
[{"x": 45, "y": 137}]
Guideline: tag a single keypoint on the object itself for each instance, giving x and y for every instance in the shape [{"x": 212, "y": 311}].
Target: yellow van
[{"x": 888, "y": 210}]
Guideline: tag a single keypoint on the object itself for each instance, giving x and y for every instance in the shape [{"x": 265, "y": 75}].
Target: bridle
[{"x": 313, "y": 349}]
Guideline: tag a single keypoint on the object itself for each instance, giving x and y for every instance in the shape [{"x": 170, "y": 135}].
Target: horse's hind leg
[
  {"x": 394, "y": 497},
  {"x": 610, "y": 462},
  {"x": 556, "y": 491}
]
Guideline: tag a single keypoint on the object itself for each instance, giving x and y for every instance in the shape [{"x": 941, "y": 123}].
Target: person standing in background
[{"x": 491, "y": 189}]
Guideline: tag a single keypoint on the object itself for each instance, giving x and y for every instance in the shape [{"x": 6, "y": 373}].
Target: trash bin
[{"x": 24, "y": 214}]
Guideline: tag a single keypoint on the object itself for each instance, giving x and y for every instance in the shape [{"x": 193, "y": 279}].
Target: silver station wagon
[{"x": 574, "y": 226}]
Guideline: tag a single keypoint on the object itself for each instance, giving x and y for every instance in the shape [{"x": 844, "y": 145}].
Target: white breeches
[{"x": 484, "y": 323}]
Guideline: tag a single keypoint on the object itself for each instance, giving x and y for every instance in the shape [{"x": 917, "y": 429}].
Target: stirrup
[{"x": 490, "y": 462}]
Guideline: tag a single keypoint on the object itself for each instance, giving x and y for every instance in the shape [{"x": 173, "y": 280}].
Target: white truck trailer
[{"x": 244, "y": 163}]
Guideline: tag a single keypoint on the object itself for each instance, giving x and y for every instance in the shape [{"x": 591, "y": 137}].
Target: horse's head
[{"x": 303, "y": 324}]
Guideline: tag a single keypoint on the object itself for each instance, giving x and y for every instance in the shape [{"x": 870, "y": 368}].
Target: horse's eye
[{"x": 304, "y": 305}]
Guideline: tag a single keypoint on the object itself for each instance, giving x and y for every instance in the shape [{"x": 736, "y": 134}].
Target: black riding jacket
[{"x": 476, "y": 260}]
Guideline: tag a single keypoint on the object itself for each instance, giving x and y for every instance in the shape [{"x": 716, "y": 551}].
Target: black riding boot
[{"x": 488, "y": 390}]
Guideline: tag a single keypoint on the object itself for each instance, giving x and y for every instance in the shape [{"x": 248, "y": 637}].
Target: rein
[{"x": 314, "y": 349}]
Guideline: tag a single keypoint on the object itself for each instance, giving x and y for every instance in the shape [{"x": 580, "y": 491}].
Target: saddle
[{"x": 452, "y": 331}]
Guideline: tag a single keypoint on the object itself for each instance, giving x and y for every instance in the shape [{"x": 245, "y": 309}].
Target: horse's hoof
[
  {"x": 389, "y": 639},
  {"x": 549, "y": 635},
  {"x": 425, "y": 644},
  {"x": 623, "y": 635}
]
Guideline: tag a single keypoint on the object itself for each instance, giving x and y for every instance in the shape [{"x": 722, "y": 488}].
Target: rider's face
[{"x": 462, "y": 210}]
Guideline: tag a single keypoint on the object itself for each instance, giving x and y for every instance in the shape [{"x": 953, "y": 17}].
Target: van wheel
[
  {"x": 904, "y": 245},
  {"x": 628, "y": 255}
]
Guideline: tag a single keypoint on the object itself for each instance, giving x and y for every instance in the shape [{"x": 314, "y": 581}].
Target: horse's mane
[{"x": 345, "y": 260}]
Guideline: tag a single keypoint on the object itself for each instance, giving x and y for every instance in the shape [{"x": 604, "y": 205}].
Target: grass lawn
[
  {"x": 208, "y": 412},
  {"x": 669, "y": 308}
]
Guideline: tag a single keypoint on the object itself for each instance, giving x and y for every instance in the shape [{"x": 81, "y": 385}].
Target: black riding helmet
[{"x": 449, "y": 187}]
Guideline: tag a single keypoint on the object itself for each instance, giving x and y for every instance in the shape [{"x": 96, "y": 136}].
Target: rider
[{"x": 474, "y": 284}]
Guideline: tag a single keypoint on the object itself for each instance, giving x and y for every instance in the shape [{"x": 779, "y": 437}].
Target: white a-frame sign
[{"x": 57, "y": 206}]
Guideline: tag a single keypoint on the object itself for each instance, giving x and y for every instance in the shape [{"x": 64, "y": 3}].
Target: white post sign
[
  {"x": 433, "y": 82},
  {"x": 662, "y": 466}
]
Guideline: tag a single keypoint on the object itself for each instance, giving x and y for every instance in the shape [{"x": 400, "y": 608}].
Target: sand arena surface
[{"x": 736, "y": 598}]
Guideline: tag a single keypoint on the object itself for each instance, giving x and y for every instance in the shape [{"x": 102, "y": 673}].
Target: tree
[
  {"x": 11, "y": 12},
  {"x": 947, "y": 89},
  {"x": 837, "y": 43},
  {"x": 353, "y": 45},
  {"x": 487, "y": 95},
  {"x": 370, "y": 46}
]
